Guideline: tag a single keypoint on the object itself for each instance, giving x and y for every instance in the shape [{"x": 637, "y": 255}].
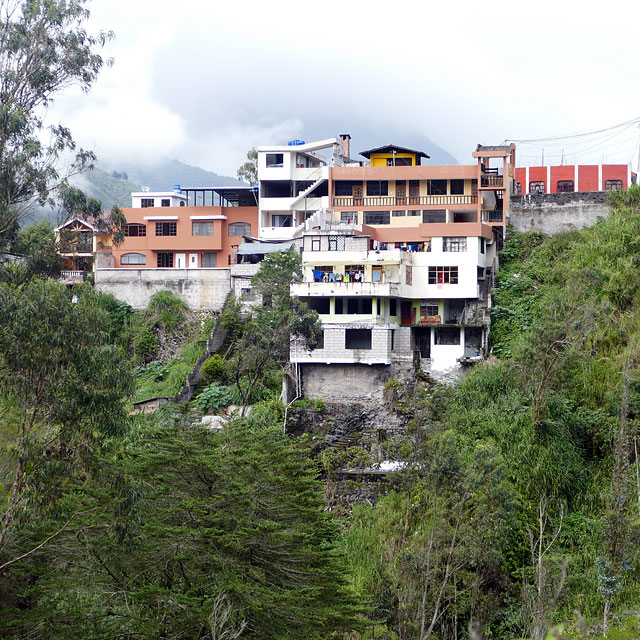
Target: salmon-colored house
[
  {"x": 570, "y": 178},
  {"x": 186, "y": 229}
]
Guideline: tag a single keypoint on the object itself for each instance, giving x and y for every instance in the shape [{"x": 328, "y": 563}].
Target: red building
[{"x": 570, "y": 178}]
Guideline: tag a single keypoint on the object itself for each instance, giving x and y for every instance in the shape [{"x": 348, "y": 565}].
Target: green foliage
[
  {"x": 214, "y": 369},
  {"x": 248, "y": 172},
  {"x": 319, "y": 405},
  {"x": 214, "y": 397},
  {"x": 46, "y": 49},
  {"x": 167, "y": 308}
]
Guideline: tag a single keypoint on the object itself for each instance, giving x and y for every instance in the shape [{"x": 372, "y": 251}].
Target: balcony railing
[
  {"x": 73, "y": 276},
  {"x": 492, "y": 181},
  {"x": 423, "y": 320},
  {"x": 492, "y": 215},
  {"x": 77, "y": 247},
  {"x": 392, "y": 201}
]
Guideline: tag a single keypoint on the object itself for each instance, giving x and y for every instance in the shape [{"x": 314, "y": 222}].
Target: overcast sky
[{"x": 204, "y": 81}]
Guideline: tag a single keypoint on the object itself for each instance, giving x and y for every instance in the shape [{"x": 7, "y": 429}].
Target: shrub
[
  {"x": 146, "y": 343},
  {"x": 320, "y": 406},
  {"x": 213, "y": 397},
  {"x": 214, "y": 369},
  {"x": 166, "y": 307}
]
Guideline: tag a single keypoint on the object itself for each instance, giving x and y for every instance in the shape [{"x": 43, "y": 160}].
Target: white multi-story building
[{"x": 406, "y": 286}]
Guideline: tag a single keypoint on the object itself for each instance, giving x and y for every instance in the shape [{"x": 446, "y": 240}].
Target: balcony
[
  {"x": 73, "y": 277},
  {"x": 82, "y": 246},
  {"x": 386, "y": 289},
  {"x": 393, "y": 201},
  {"x": 422, "y": 320},
  {"x": 492, "y": 215},
  {"x": 492, "y": 181}
]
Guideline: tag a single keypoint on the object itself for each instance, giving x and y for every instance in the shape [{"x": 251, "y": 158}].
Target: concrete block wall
[
  {"x": 201, "y": 289},
  {"x": 554, "y": 213},
  {"x": 345, "y": 383}
]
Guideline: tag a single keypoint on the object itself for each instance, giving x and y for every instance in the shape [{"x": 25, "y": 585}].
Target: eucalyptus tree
[{"x": 44, "y": 49}]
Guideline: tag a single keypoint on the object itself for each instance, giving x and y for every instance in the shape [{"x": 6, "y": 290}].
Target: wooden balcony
[
  {"x": 492, "y": 181},
  {"x": 393, "y": 201}
]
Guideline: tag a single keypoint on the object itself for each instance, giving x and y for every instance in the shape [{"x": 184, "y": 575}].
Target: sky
[{"x": 203, "y": 81}]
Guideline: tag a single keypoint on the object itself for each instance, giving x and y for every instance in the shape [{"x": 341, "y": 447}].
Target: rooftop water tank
[
  {"x": 295, "y": 143},
  {"x": 177, "y": 188}
]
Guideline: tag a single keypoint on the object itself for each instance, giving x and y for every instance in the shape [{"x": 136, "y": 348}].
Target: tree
[
  {"x": 231, "y": 537},
  {"x": 62, "y": 390},
  {"x": 44, "y": 49},
  {"x": 249, "y": 170}
]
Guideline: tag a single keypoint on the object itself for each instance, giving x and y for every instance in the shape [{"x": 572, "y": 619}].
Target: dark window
[
  {"x": 336, "y": 243},
  {"x": 359, "y": 306},
  {"x": 166, "y": 229},
  {"x": 209, "y": 260},
  {"x": 414, "y": 212},
  {"x": 357, "y": 339},
  {"x": 276, "y": 189},
  {"x": 434, "y": 216},
  {"x": 565, "y": 186},
  {"x": 398, "y": 214},
  {"x": 399, "y": 162},
  {"x": 321, "y": 305},
  {"x": 447, "y": 335},
  {"x": 239, "y": 229},
  {"x": 437, "y": 187},
  {"x": 275, "y": 159},
  {"x": 378, "y": 307},
  {"x": 536, "y": 187},
  {"x": 393, "y": 307},
  {"x": 443, "y": 275},
  {"x": 146, "y": 202},
  {"x": 454, "y": 245},
  {"x": 338, "y": 306},
  {"x": 165, "y": 202},
  {"x": 431, "y": 310},
  {"x": 377, "y": 217},
  {"x": 613, "y": 185},
  {"x": 284, "y": 220},
  {"x": 517, "y": 188},
  {"x": 349, "y": 216},
  {"x": 456, "y": 187},
  {"x": 135, "y": 230},
  {"x": 202, "y": 228},
  {"x": 165, "y": 260},
  {"x": 377, "y": 187},
  {"x": 133, "y": 258},
  {"x": 345, "y": 187},
  {"x": 482, "y": 241}
]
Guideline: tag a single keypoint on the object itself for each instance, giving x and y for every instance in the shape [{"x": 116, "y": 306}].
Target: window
[
  {"x": 133, "y": 258},
  {"x": 443, "y": 275},
  {"x": 377, "y": 187},
  {"x": 202, "y": 228},
  {"x": 454, "y": 245},
  {"x": 409, "y": 274},
  {"x": 456, "y": 187},
  {"x": 275, "y": 159},
  {"x": 336, "y": 243},
  {"x": 321, "y": 305},
  {"x": 165, "y": 260},
  {"x": 398, "y": 214},
  {"x": 135, "y": 230},
  {"x": 437, "y": 187},
  {"x": 315, "y": 244},
  {"x": 146, "y": 202},
  {"x": 536, "y": 187},
  {"x": 430, "y": 310},
  {"x": 399, "y": 162},
  {"x": 239, "y": 229},
  {"x": 613, "y": 185},
  {"x": 357, "y": 339},
  {"x": 284, "y": 220},
  {"x": 517, "y": 188},
  {"x": 434, "y": 216},
  {"x": 359, "y": 306},
  {"x": 414, "y": 212},
  {"x": 349, "y": 217},
  {"x": 165, "y": 202},
  {"x": 345, "y": 187},
  {"x": 377, "y": 217},
  {"x": 166, "y": 229},
  {"x": 565, "y": 186},
  {"x": 209, "y": 260},
  {"x": 482, "y": 241},
  {"x": 393, "y": 307},
  {"x": 447, "y": 335}
]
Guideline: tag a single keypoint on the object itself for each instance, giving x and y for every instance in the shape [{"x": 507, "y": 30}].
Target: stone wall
[
  {"x": 201, "y": 289},
  {"x": 345, "y": 383},
  {"x": 553, "y": 213}
]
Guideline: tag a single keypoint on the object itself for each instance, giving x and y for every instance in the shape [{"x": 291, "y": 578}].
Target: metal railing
[
  {"x": 393, "y": 201},
  {"x": 73, "y": 276}
]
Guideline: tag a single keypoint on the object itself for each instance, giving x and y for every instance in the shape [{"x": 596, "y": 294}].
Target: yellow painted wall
[{"x": 380, "y": 159}]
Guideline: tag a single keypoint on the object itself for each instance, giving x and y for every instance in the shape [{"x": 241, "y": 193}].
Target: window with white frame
[
  {"x": 454, "y": 244},
  {"x": 133, "y": 258},
  {"x": 204, "y": 228}
]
